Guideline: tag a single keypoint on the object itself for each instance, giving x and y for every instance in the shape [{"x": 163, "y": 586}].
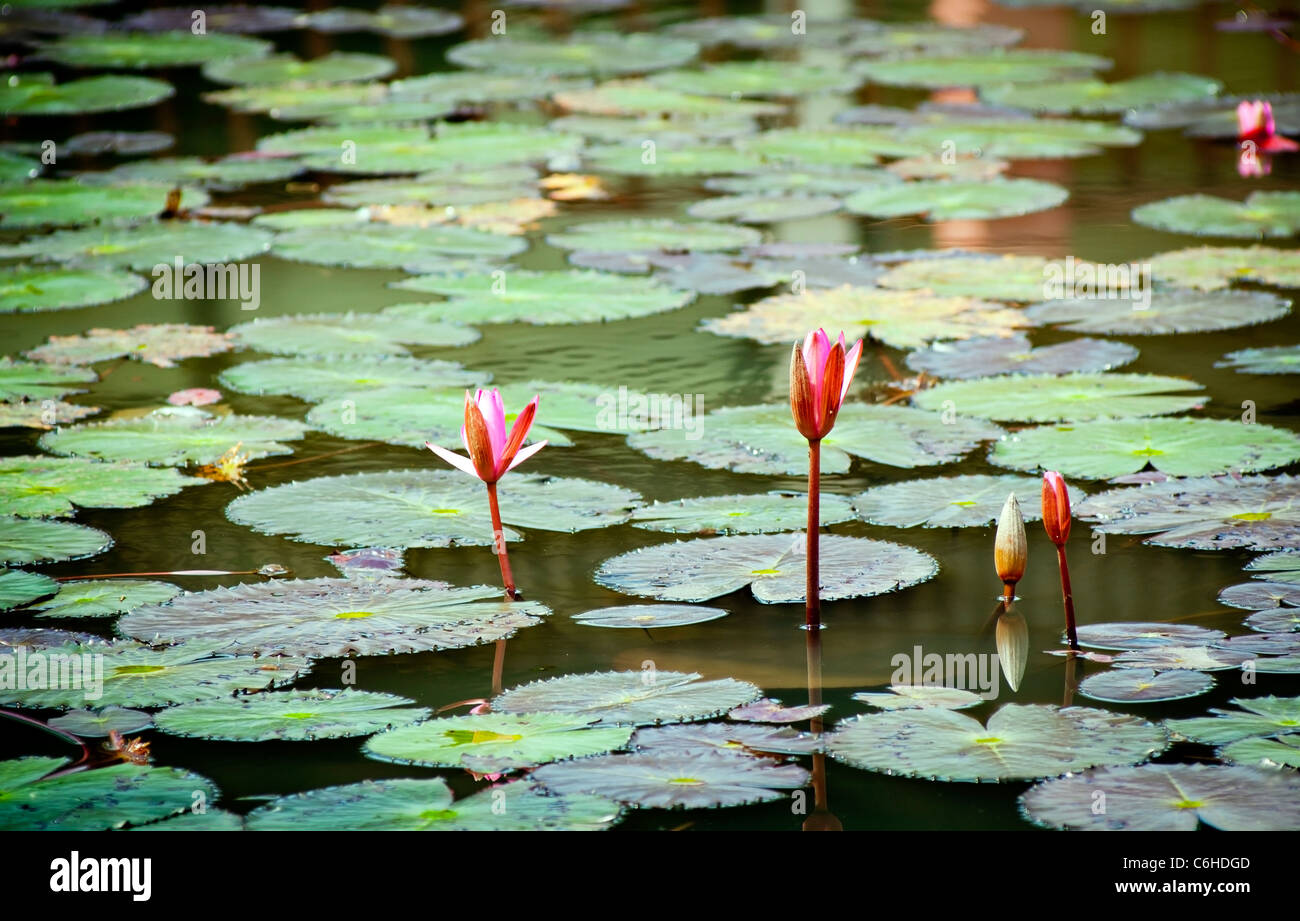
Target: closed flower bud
[
  {"x": 1056, "y": 507},
  {"x": 1010, "y": 547}
]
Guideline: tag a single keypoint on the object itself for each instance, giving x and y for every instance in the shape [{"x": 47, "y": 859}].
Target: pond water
[{"x": 668, "y": 352}]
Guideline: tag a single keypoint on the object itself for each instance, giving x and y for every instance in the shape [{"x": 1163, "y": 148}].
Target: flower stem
[
  {"x": 812, "y": 589},
  {"x": 1068, "y": 597},
  {"x": 499, "y": 543},
  {"x": 65, "y": 736}
]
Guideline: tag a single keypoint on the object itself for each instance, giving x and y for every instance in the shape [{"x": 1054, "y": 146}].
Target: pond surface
[{"x": 669, "y": 353}]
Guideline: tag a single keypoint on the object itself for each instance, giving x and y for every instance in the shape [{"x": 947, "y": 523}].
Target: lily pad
[
  {"x": 324, "y": 379},
  {"x": 1131, "y": 635},
  {"x": 18, "y": 588},
  {"x": 542, "y": 298},
  {"x": 334, "y": 617},
  {"x": 759, "y": 78},
  {"x": 740, "y": 514},
  {"x": 1004, "y": 278},
  {"x": 767, "y": 710},
  {"x": 648, "y": 616},
  {"x": 981, "y": 68},
  {"x": 1252, "y": 513},
  {"x": 724, "y": 738},
  {"x": 771, "y": 565},
  {"x": 125, "y": 143},
  {"x": 95, "y": 800},
  {"x": 748, "y": 32},
  {"x": 393, "y": 21},
  {"x": 30, "y": 380},
  {"x": 25, "y": 541},
  {"x": 890, "y": 37},
  {"x": 1178, "y": 447},
  {"x": 944, "y": 200},
  {"x": 1263, "y": 644},
  {"x": 1261, "y": 596},
  {"x": 635, "y": 236},
  {"x": 27, "y": 288},
  {"x": 920, "y": 697},
  {"x": 1262, "y": 214},
  {"x": 1016, "y": 138},
  {"x": 1282, "y": 751},
  {"x": 763, "y": 209},
  {"x": 1279, "y": 359},
  {"x": 464, "y": 145},
  {"x": 104, "y": 598},
  {"x": 223, "y": 175},
  {"x": 99, "y": 723},
  {"x": 1169, "y": 797},
  {"x": 1274, "y": 621},
  {"x": 1129, "y": 685},
  {"x": 592, "y": 408},
  {"x": 221, "y": 17},
  {"x": 1256, "y": 717},
  {"x": 500, "y": 183},
  {"x": 34, "y": 638},
  {"x": 969, "y": 501},
  {"x": 810, "y": 181},
  {"x": 670, "y": 780},
  {"x": 43, "y": 487},
  {"x": 55, "y": 202},
  {"x": 140, "y": 50},
  {"x": 426, "y": 508},
  {"x": 1093, "y": 97},
  {"x": 642, "y": 698},
  {"x": 426, "y": 805},
  {"x": 175, "y": 439},
  {"x": 1282, "y": 566},
  {"x": 1054, "y": 398},
  {"x": 1020, "y": 742},
  {"x": 1167, "y": 656},
  {"x": 384, "y": 246},
  {"x": 829, "y": 147},
  {"x": 209, "y": 820},
  {"x": 144, "y": 246},
  {"x": 161, "y": 345},
  {"x": 972, "y": 358},
  {"x": 335, "y": 67},
  {"x": 43, "y": 415},
  {"x": 1212, "y": 267},
  {"x": 348, "y": 335},
  {"x": 599, "y": 53},
  {"x": 496, "y": 742},
  {"x": 297, "y": 716},
  {"x": 37, "y": 94},
  {"x": 1171, "y": 310}
]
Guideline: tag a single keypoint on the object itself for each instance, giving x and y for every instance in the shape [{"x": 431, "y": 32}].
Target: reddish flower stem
[
  {"x": 499, "y": 543},
  {"x": 812, "y": 589},
  {"x": 65, "y": 736},
  {"x": 1068, "y": 597}
]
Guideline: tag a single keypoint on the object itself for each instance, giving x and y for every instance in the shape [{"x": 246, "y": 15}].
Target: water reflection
[{"x": 821, "y": 818}]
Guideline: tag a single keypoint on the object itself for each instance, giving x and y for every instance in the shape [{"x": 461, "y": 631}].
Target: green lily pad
[
  {"x": 105, "y": 597},
  {"x": 143, "y": 246},
  {"x": 334, "y": 617},
  {"x": 53, "y": 202},
  {"x": 974, "y": 358},
  {"x": 42, "y": 486},
  {"x": 393, "y": 21},
  {"x": 1130, "y": 685},
  {"x": 1020, "y": 742},
  {"x": 296, "y": 101},
  {"x": 1003, "y": 278},
  {"x": 43, "y": 415},
  {"x": 1253, "y": 512},
  {"x": 1136, "y": 635},
  {"x": 25, "y": 541},
  {"x": 208, "y": 820},
  {"x": 942, "y": 200},
  {"x": 828, "y": 147},
  {"x": 161, "y": 345},
  {"x": 17, "y": 168},
  {"x": 541, "y": 298},
  {"x": 771, "y": 565},
  {"x": 333, "y": 139},
  {"x": 643, "y": 698},
  {"x": 126, "y": 143},
  {"x": 18, "y": 588},
  {"x": 1195, "y": 658},
  {"x": 1055, "y": 398},
  {"x": 426, "y": 508},
  {"x": 223, "y": 175},
  {"x": 30, "y": 380},
  {"x": 970, "y": 501},
  {"x": 920, "y": 697},
  {"x": 982, "y": 68},
  {"x": 600, "y": 53},
  {"x": 496, "y": 742},
  {"x": 1256, "y": 717},
  {"x": 1260, "y": 596},
  {"x": 1093, "y": 97},
  {"x": 1280, "y": 359},
  {"x": 813, "y": 181},
  {"x": 500, "y": 183},
  {"x": 891, "y": 37},
  {"x": 99, "y": 723},
  {"x": 1179, "y": 447},
  {"x": 136, "y": 676},
  {"x": 763, "y": 209},
  {"x": 1262, "y": 214},
  {"x": 667, "y": 130},
  {"x": 1263, "y": 644},
  {"x": 348, "y": 335},
  {"x": 335, "y": 67},
  {"x": 724, "y": 738},
  {"x": 1171, "y": 310},
  {"x": 1278, "y": 665},
  {"x": 591, "y": 408},
  {"x": 1017, "y": 138},
  {"x": 1274, "y": 620},
  {"x": 297, "y": 716},
  {"x": 221, "y": 17},
  {"x": 39, "y": 638},
  {"x": 466, "y": 145},
  {"x": 95, "y": 800},
  {"x": 692, "y": 160},
  {"x": 1283, "y": 566},
  {"x": 648, "y": 616},
  {"x": 140, "y": 50},
  {"x": 741, "y": 514},
  {"x": 634, "y": 236},
  {"x": 748, "y": 32},
  {"x": 639, "y": 98},
  {"x": 1168, "y": 797},
  {"x": 1212, "y": 267},
  {"x": 385, "y": 246},
  {"x": 324, "y": 379},
  {"x": 767, "y": 710},
  {"x": 1282, "y": 751},
  {"x": 759, "y": 78},
  {"x": 427, "y": 805},
  {"x": 175, "y": 439},
  {"x": 27, "y": 288},
  {"x": 36, "y": 94},
  {"x": 903, "y": 319}
]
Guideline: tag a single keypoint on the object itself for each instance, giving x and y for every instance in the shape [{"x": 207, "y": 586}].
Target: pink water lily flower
[
  {"x": 1255, "y": 123},
  {"x": 820, "y": 374},
  {"x": 491, "y": 451}
]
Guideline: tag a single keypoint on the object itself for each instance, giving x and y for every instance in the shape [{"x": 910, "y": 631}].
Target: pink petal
[
  {"x": 494, "y": 414},
  {"x": 195, "y": 396},
  {"x": 456, "y": 460},
  {"x": 850, "y": 365},
  {"x": 526, "y": 453}
]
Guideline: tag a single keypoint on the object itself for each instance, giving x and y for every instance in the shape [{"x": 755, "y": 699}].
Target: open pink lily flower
[
  {"x": 491, "y": 451},
  {"x": 820, "y": 374},
  {"x": 1255, "y": 123}
]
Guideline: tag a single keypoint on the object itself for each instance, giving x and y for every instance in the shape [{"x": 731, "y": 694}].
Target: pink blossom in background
[{"x": 195, "y": 396}]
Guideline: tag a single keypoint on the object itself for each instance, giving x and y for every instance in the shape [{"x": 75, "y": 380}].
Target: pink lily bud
[
  {"x": 1056, "y": 507},
  {"x": 820, "y": 374},
  {"x": 491, "y": 451}
]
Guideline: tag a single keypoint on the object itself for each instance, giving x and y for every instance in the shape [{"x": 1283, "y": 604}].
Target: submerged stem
[
  {"x": 499, "y": 543},
  {"x": 812, "y": 589},
  {"x": 65, "y": 736},
  {"x": 1067, "y": 596}
]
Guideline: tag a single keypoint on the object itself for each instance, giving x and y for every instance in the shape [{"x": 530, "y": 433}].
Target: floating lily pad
[
  {"x": 140, "y": 50},
  {"x": 26, "y": 288},
  {"x": 1171, "y": 310},
  {"x": 37, "y": 94},
  {"x": 125, "y": 143},
  {"x": 761, "y": 439},
  {"x": 811, "y": 181},
  {"x": 99, "y": 723},
  {"x": 759, "y": 78},
  {"x": 1169, "y": 797},
  {"x": 17, "y": 168},
  {"x": 592, "y": 408},
  {"x": 426, "y": 805},
  {"x": 1130, "y": 685},
  {"x": 966, "y": 168},
  {"x": 18, "y": 588},
  {"x": 136, "y": 676},
  {"x": 639, "y": 98},
  {"x": 771, "y": 565},
  {"x": 1053, "y": 398},
  {"x": 1263, "y": 644},
  {"x": 334, "y": 617},
  {"x": 642, "y": 698},
  {"x": 222, "y": 17},
  {"x": 981, "y": 69},
  {"x": 1282, "y": 566},
  {"x": 829, "y": 147},
  {"x": 1020, "y": 742},
  {"x": 383, "y": 246},
  {"x": 465, "y": 145},
  {"x": 350, "y": 335},
  {"x": 1256, "y": 717},
  {"x": 1263, "y": 214},
  {"x": 52, "y": 202},
  {"x": 42, "y": 486},
  {"x": 1277, "y": 665},
  {"x": 740, "y": 514},
  {"x": 1196, "y": 658},
  {"x": 601, "y": 53},
  {"x": 1131, "y": 635},
  {"x": 1280, "y": 359},
  {"x": 161, "y": 344},
  {"x": 25, "y": 541},
  {"x": 426, "y": 508},
  {"x": 34, "y": 638},
  {"x": 1016, "y": 138},
  {"x": 973, "y": 358},
  {"x": 290, "y": 716},
  {"x": 462, "y": 188},
  {"x": 208, "y": 820},
  {"x": 1178, "y": 447},
  {"x": 920, "y": 697},
  {"x": 144, "y": 246},
  {"x": 335, "y": 67},
  {"x": 1093, "y": 97},
  {"x": 225, "y": 174},
  {"x": 1282, "y": 751},
  {"x": 95, "y": 800},
  {"x": 763, "y": 209},
  {"x": 634, "y": 236},
  {"x": 767, "y": 710},
  {"x": 496, "y": 742},
  {"x": 324, "y": 379},
  {"x": 43, "y": 415},
  {"x": 669, "y": 780},
  {"x": 105, "y": 598},
  {"x": 540, "y": 297},
  {"x": 724, "y": 738},
  {"x": 1252, "y": 513},
  {"x": 393, "y": 21},
  {"x": 1005, "y": 278},
  {"x": 1274, "y": 621},
  {"x": 943, "y": 200},
  {"x": 970, "y": 501},
  {"x": 665, "y": 129},
  {"x": 1261, "y": 596},
  {"x": 175, "y": 439},
  {"x": 1212, "y": 267},
  {"x": 30, "y": 380},
  {"x": 692, "y": 160},
  {"x": 647, "y": 616},
  {"x": 749, "y": 32},
  {"x": 889, "y": 37}
]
